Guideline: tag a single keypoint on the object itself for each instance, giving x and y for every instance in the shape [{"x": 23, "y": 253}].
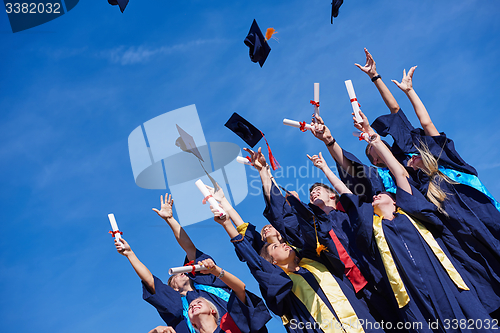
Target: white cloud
[{"x": 141, "y": 54}]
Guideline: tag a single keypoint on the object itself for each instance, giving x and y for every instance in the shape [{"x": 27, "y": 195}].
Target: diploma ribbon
[
  {"x": 204, "y": 201},
  {"x": 191, "y": 263},
  {"x": 315, "y": 103},
  {"x": 113, "y": 233},
  {"x": 355, "y": 100},
  {"x": 249, "y": 159},
  {"x": 303, "y": 126}
]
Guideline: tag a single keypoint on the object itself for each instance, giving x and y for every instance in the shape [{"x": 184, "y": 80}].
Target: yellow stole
[
  {"x": 349, "y": 321},
  {"x": 395, "y": 280}
]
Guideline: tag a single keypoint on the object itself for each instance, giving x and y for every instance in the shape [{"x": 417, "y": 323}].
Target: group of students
[{"x": 411, "y": 244}]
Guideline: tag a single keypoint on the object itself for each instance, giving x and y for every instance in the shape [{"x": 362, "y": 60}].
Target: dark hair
[
  {"x": 367, "y": 150},
  {"x": 328, "y": 188}
]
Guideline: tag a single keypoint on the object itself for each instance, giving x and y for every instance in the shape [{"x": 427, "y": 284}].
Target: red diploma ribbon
[
  {"x": 355, "y": 100},
  {"x": 303, "y": 125},
  {"x": 249, "y": 160},
  {"x": 113, "y": 233},
  {"x": 204, "y": 201},
  {"x": 315, "y": 103},
  {"x": 191, "y": 263}
]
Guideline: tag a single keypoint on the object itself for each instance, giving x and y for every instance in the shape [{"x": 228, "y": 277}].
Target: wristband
[
  {"x": 376, "y": 77},
  {"x": 221, "y": 273},
  {"x": 331, "y": 143}
]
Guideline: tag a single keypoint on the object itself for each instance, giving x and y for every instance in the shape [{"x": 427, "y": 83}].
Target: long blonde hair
[{"x": 435, "y": 193}]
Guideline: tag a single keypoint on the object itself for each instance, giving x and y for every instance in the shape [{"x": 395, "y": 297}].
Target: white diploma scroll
[
  {"x": 316, "y": 98},
  {"x": 243, "y": 160},
  {"x": 354, "y": 101},
  {"x": 360, "y": 135},
  {"x": 294, "y": 123},
  {"x": 211, "y": 200},
  {"x": 114, "y": 226},
  {"x": 185, "y": 269}
]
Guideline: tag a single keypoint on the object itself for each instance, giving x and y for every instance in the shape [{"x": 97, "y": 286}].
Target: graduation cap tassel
[
  {"x": 274, "y": 163},
  {"x": 269, "y": 33},
  {"x": 319, "y": 247}
]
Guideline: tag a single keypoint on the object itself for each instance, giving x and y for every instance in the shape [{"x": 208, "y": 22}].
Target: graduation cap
[
  {"x": 335, "y": 8},
  {"x": 250, "y": 134},
  {"x": 121, "y": 3},
  {"x": 186, "y": 143},
  {"x": 259, "y": 48}
]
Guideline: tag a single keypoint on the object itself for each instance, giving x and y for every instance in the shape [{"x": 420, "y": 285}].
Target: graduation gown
[
  {"x": 276, "y": 289},
  {"x": 171, "y": 305},
  {"x": 432, "y": 293},
  {"x": 472, "y": 217}
]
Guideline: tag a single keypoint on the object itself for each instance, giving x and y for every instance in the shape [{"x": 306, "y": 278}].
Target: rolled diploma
[
  {"x": 352, "y": 95},
  {"x": 294, "y": 123},
  {"x": 316, "y": 98},
  {"x": 185, "y": 269},
  {"x": 357, "y": 134},
  {"x": 211, "y": 200},
  {"x": 242, "y": 160},
  {"x": 114, "y": 226}
]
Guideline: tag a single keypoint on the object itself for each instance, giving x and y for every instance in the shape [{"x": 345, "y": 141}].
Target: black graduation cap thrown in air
[
  {"x": 250, "y": 134},
  {"x": 259, "y": 48},
  {"x": 121, "y": 3},
  {"x": 335, "y": 8}
]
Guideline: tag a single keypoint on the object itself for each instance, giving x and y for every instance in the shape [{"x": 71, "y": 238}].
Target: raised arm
[
  {"x": 142, "y": 271},
  {"x": 337, "y": 184},
  {"x": 260, "y": 164},
  {"x": 371, "y": 70},
  {"x": 221, "y": 198},
  {"x": 397, "y": 170},
  {"x": 320, "y": 131},
  {"x": 229, "y": 279},
  {"x": 406, "y": 85},
  {"x": 180, "y": 234}
]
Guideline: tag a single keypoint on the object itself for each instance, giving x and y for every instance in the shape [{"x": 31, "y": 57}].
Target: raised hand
[
  {"x": 217, "y": 218},
  {"x": 370, "y": 67},
  {"x": 258, "y": 159},
  {"x": 320, "y": 130},
  {"x": 364, "y": 125},
  {"x": 406, "y": 83},
  {"x": 165, "y": 211},
  {"x": 211, "y": 267},
  {"x": 318, "y": 161},
  {"x": 122, "y": 247},
  {"x": 218, "y": 195}
]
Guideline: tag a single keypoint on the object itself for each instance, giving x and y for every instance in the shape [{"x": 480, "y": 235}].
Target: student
[
  {"x": 301, "y": 290},
  {"x": 241, "y": 316},
  {"x": 285, "y": 213},
  {"x": 172, "y": 299},
  {"x": 441, "y": 174},
  {"x": 425, "y": 280}
]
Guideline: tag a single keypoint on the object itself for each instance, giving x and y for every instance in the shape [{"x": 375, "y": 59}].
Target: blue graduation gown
[
  {"x": 276, "y": 289},
  {"x": 293, "y": 219},
  {"x": 169, "y": 303},
  {"x": 473, "y": 219},
  {"x": 432, "y": 293}
]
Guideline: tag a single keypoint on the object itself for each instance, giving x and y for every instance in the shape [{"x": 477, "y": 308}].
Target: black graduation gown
[
  {"x": 432, "y": 293},
  {"x": 276, "y": 289},
  {"x": 472, "y": 218}
]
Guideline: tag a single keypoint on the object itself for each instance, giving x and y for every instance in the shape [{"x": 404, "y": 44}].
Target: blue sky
[{"x": 72, "y": 90}]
